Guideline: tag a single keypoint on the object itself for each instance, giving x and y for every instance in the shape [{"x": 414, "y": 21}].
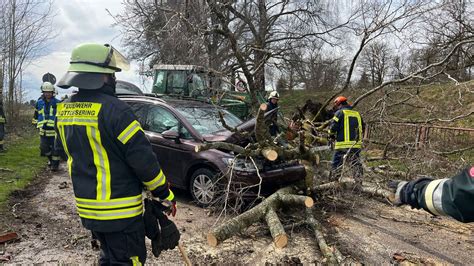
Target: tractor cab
[
  {"x": 195, "y": 82},
  {"x": 182, "y": 80}
]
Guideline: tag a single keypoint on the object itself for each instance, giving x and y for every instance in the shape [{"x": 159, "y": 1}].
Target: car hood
[{"x": 234, "y": 137}]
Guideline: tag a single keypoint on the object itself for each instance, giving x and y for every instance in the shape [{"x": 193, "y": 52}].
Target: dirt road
[{"x": 371, "y": 232}]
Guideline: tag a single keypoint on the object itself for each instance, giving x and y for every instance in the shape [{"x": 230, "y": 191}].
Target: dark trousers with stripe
[
  {"x": 126, "y": 247},
  {"x": 2, "y": 135},
  {"x": 352, "y": 161},
  {"x": 47, "y": 149}
]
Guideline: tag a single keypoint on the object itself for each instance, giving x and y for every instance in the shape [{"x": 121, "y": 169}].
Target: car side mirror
[{"x": 171, "y": 134}]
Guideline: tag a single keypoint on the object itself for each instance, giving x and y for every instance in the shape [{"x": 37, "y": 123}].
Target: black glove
[
  {"x": 168, "y": 236},
  {"x": 152, "y": 230},
  {"x": 407, "y": 192},
  {"x": 169, "y": 232}
]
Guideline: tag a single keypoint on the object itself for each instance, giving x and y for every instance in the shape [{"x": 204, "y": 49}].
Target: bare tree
[
  {"x": 25, "y": 29},
  {"x": 375, "y": 58},
  {"x": 170, "y": 32},
  {"x": 382, "y": 19},
  {"x": 261, "y": 30}
]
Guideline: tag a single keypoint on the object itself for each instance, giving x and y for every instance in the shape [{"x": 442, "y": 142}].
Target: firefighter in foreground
[
  {"x": 110, "y": 159},
  {"x": 2, "y": 127},
  {"x": 44, "y": 116},
  {"x": 448, "y": 196},
  {"x": 346, "y": 130}
]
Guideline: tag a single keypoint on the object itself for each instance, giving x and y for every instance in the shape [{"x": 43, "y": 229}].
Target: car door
[{"x": 174, "y": 156}]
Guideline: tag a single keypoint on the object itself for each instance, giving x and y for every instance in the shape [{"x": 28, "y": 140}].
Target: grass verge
[{"x": 19, "y": 164}]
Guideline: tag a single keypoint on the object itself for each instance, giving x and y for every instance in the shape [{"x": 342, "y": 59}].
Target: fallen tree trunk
[
  {"x": 267, "y": 152},
  {"x": 347, "y": 183},
  {"x": 280, "y": 238},
  {"x": 332, "y": 255},
  {"x": 266, "y": 210}
]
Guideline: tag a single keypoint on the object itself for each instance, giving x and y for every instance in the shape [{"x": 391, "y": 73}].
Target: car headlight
[{"x": 242, "y": 164}]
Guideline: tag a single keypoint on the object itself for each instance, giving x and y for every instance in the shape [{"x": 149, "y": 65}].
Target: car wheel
[{"x": 202, "y": 187}]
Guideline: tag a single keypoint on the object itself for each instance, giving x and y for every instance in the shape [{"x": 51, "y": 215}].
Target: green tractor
[{"x": 188, "y": 81}]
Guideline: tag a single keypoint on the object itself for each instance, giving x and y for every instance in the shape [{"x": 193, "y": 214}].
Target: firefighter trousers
[
  {"x": 352, "y": 162},
  {"x": 2, "y": 135},
  {"x": 47, "y": 149},
  {"x": 122, "y": 248}
]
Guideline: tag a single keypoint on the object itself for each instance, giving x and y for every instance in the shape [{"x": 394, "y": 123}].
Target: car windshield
[
  {"x": 123, "y": 87},
  {"x": 206, "y": 119}
]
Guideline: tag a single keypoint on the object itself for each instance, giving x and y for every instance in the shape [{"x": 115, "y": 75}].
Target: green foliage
[
  {"x": 23, "y": 159},
  {"x": 290, "y": 99}
]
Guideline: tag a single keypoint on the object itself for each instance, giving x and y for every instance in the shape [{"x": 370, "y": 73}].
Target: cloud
[{"x": 76, "y": 22}]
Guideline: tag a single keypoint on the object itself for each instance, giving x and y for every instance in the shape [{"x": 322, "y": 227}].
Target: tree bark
[
  {"x": 280, "y": 238},
  {"x": 328, "y": 252},
  {"x": 265, "y": 210}
]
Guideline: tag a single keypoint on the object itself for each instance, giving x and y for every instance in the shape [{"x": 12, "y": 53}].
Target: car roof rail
[
  {"x": 146, "y": 96},
  {"x": 186, "y": 98}
]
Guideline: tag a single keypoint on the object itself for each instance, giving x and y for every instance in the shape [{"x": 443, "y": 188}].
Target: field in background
[
  {"x": 428, "y": 102},
  {"x": 424, "y": 103}
]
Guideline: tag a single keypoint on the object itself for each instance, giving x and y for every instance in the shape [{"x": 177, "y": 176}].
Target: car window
[
  {"x": 160, "y": 119},
  {"x": 140, "y": 110},
  {"x": 206, "y": 120},
  {"x": 124, "y": 87}
]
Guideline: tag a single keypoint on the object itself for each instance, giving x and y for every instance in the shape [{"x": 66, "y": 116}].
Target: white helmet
[
  {"x": 47, "y": 87},
  {"x": 274, "y": 94}
]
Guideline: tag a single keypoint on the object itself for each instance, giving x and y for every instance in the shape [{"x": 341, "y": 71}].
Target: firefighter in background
[
  {"x": 272, "y": 103},
  {"x": 110, "y": 159},
  {"x": 452, "y": 197},
  {"x": 45, "y": 114},
  {"x": 3, "y": 121},
  {"x": 346, "y": 130}
]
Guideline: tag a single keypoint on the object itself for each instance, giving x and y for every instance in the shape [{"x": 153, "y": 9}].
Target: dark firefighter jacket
[
  {"x": 45, "y": 113},
  {"x": 110, "y": 160},
  {"x": 273, "y": 128},
  {"x": 449, "y": 196},
  {"x": 347, "y": 127},
  {"x": 2, "y": 116}
]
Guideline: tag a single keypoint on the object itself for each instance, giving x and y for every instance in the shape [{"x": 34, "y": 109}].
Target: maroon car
[{"x": 175, "y": 127}]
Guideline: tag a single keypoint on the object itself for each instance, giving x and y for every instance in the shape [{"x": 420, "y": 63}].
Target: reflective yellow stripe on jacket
[
  {"x": 348, "y": 143},
  {"x": 86, "y": 114},
  {"x": 111, "y": 209},
  {"x": 2, "y": 120},
  {"x": 63, "y": 141},
  {"x": 102, "y": 205},
  {"x": 110, "y": 214},
  {"x": 129, "y": 132},
  {"x": 159, "y": 180}
]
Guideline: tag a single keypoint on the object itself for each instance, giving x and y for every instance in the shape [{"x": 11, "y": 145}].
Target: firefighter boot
[{"x": 54, "y": 165}]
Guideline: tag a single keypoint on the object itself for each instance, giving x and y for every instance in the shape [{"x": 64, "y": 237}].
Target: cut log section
[
  {"x": 280, "y": 239},
  {"x": 266, "y": 210},
  {"x": 269, "y": 154}
]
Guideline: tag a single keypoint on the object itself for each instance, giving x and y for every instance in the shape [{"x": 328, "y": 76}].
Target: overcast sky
[{"x": 77, "y": 21}]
